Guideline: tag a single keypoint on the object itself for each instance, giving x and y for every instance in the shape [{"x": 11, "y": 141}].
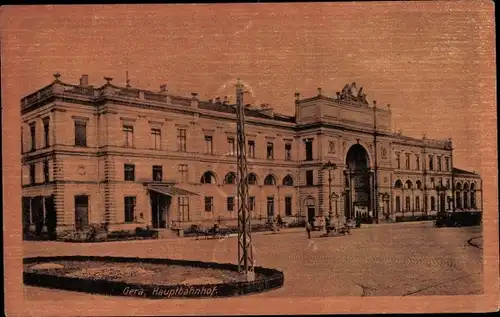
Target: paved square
[{"x": 376, "y": 260}]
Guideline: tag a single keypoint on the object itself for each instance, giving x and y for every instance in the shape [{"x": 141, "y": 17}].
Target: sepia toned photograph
[{"x": 284, "y": 158}]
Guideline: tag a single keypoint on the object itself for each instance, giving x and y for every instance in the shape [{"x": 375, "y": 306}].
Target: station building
[{"x": 128, "y": 158}]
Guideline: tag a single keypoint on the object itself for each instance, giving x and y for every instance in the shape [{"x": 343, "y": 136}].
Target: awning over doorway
[{"x": 170, "y": 190}]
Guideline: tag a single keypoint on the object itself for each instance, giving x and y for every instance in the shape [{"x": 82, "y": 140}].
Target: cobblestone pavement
[{"x": 386, "y": 260}]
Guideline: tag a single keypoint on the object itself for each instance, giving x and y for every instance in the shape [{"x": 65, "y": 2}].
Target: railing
[
  {"x": 128, "y": 93},
  {"x": 154, "y": 97}
]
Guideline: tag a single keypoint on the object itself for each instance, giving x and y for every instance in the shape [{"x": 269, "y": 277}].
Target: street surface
[{"x": 399, "y": 259}]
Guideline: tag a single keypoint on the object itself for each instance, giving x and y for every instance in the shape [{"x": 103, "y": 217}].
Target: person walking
[{"x": 308, "y": 228}]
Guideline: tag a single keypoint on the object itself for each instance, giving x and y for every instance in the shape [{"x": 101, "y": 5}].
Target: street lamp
[{"x": 330, "y": 167}]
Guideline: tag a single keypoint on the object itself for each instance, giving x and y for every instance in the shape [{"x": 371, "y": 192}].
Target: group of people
[{"x": 325, "y": 222}]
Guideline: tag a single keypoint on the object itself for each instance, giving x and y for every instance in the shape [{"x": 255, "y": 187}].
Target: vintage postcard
[{"x": 284, "y": 158}]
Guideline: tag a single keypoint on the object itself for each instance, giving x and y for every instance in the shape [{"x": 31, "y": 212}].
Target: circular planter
[{"x": 49, "y": 272}]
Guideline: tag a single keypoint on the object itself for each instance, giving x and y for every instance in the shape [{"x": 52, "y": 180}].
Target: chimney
[
  {"x": 194, "y": 94},
  {"x": 163, "y": 88},
  {"x": 320, "y": 91},
  {"x": 84, "y": 80}
]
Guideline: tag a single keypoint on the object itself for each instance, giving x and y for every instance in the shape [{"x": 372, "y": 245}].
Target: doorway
[
  {"x": 81, "y": 212},
  {"x": 160, "y": 204},
  {"x": 311, "y": 213}
]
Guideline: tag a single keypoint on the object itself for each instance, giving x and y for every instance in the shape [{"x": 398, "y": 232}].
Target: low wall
[{"x": 272, "y": 279}]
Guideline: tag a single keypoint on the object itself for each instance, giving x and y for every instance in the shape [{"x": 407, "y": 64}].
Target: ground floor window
[
  {"x": 270, "y": 207},
  {"x": 459, "y": 200},
  {"x": 433, "y": 203},
  {"x": 398, "y": 204},
  {"x": 407, "y": 203},
  {"x": 251, "y": 203},
  {"x": 473, "y": 200},
  {"x": 183, "y": 203},
  {"x": 209, "y": 204},
  {"x": 129, "y": 202},
  {"x": 230, "y": 203},
  {"x": 288, "y": 206},
  {"x": 417, "y": 203}
]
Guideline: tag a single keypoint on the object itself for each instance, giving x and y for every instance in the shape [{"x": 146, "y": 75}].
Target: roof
[
  {"x": 170, "y": 190},
  {"x": 250, "y": 112},
  {"x": 461, "y": 171}
]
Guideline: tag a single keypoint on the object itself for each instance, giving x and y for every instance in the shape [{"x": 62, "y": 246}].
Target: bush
[
  {"x": 146, "y": 233},
  {"x": 93, "y": 233},
  {"x": 297, "y": 224}
]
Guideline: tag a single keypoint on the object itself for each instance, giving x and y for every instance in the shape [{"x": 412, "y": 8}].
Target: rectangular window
[
  {"x": 407, "y": 161},
  {"x": 209, "y": 204},
  {"x": 80, "y": 133},
  {"x": 157, "y": 173},
  {"x": 431, "y": 162},
  {"x": 309, "y": 178},
  {"x": 209, "y": 146},
  {"x": 270, "y": 208},
  {"x": 288, "y": 152},
  {"x": 129, "y": 172},
  {"x": 129, "y": 204},
  {"x": 288, "y": 206},
  {"x": 183, "y": 203},
  {"x": 251, "y": 203},
  {"x": 231, "y": 146},
  {"x": 156, "y": 139},
  {"x": 417, "y": 203},
  {"x": 46, "y": 133},
  {"x": 230, "y": 203},
  {"x": 439, "y": 163},
  {"x": 417, "y": 157},
  {"x": 33, "y": 136},
  {"x": 181, "y": 140},
  {"x": 398, "y": 204},
  {"x": 309, "y": 150},
  {"x": 398, "y": 160},
  {"x": 128, "y": 134},
  {"x": 183, "y": 168},
  {"x": 433, "y": 185},
  {"x": 32, "y": 173},
  {"x": 270, "y": 151},
  {"x": 433, "y": 203},
  {"x": 447, "y": 163},
  {"x": 251, "y": 149},
  {"x": 46, "y": 171}
]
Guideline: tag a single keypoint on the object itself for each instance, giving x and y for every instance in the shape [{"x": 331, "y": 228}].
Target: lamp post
[{"x": 330, "y": 167}]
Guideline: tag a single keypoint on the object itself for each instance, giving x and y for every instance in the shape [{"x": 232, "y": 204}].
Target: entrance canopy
[{"x": 170, "y": 190}]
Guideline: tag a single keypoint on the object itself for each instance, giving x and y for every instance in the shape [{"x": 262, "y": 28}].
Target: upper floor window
[
  {"x": 230, "y": 178},
  {"x": 251, "y": 148},
  {"x": 129, "y": 172},
  {"x": 408, "y": 161},
  {"x": 46, "y": 129},
  {"x": 309, "y": 178},
  {"x": 270, "y": 180},
  {"x": 181, "y": 140},
  {"x": 288, "y": 206},
  {"x": 46, "y": 171},
  {"x": 252, "y": 179},
  {"x": 398, "y": 160},
  {"x": 309, "y": 150},
  {"x": 183, "y": 168},
  {"x": 417, "y": 159},
  {"x": 447, "y": 163},
  {"x": 32, "y": 174},
  {"x": 33, "y": 136},
  {"x": 288, "y": 181},
  {"x": 270, "y": 151},
  {"x": 128, "y": 133},
  {"x": 209, "y": 146},
  {"x": 80, "y": 133},
  {"x": 288, "y": 152},
  {"x": 439, "y": 163},
  {"x": 208, "y": 178},
  {"x": 431, "y": 162},
  {"x": 156, "y": 139},
  {"x": 384, "y": 153},
  {"x": 231, "y": 146},
  {"x": 157, "y": 173}
]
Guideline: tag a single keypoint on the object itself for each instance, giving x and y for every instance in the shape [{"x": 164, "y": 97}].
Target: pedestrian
[{"x": 308, "y": 228}]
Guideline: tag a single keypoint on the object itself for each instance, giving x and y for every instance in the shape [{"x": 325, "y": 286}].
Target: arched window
[
  {"x": 473, "y": 195},
  {"x": 398, "y": 184},
  {"x": 230, "y": 178},
  {"x": 419, "y": 184},
  {"x": 288, "y": 181},
  {"x": 208, "y": 178},
  {"x": 466, "y": 195},
  {"x": 408, "y": 184},
  {"x": 252, "y": 179},
  {"x": 458, "y": 196},
  {"x": 270, "y": 180}
]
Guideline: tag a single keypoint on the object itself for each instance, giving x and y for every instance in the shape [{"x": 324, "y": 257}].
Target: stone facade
[{"x": 77, "y": 142}]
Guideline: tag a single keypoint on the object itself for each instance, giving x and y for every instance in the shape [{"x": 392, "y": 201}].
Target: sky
[{"x": 432, "y": 61}]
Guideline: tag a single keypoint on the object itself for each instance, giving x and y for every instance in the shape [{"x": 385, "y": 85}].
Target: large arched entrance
[{"x": 357, "y": 184}]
